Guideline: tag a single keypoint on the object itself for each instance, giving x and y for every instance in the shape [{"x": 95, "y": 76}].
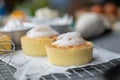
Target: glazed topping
[
  {"x": 69, "y": 39},
  {"x": 41, "y": 31}
]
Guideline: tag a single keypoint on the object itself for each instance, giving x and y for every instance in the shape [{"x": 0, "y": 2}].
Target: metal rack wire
[
  {"x": 93, "y": 72},
  {"x": 6, "y": 71}
]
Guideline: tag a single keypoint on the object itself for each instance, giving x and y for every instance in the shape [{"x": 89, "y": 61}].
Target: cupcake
[
  {"x": 18, "y": 15},
  {"x": 34, "y": 42},
  {"x": 46, "y": 13},
  {"x": 5, "y": 43},
  {"x": 70, "y": 49}
]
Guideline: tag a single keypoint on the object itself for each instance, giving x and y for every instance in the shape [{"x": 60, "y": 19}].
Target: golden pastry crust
[
  {"x": 68, "y": 56},
  {"x": 5, "y": 43},
  {"x": 84, "y": 45},
  {"x": 4, "y": 37},
  {"x": 36, "y": 46}
]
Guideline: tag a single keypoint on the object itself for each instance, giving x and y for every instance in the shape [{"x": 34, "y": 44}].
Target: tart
[
  {"x": 18, "y": 15},
  {"x": 5, "y": 44},
  {"x": 46, "y": 13},
  {"x": 35, "y": 46},
  {"x": 34, "y": 42},
  {"x": 70, "y": 55}
]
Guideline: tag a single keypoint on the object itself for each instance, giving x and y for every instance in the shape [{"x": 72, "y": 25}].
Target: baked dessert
[
  {"x": 46, "y": 13},
  {"x": 70, "y": 49},
  {"x": 34, "y": 42},
  {"x": 18, "y": 15},
  {"x": 5, "y": 44}
]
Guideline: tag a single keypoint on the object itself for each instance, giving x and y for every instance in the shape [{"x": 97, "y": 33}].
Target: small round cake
[
  {"x": 46, "y": 13},
  {"x": 18, "y": 15},
  {"x": 5, "y": 43},
  {"x": 70, "y": 49},
  {"x": 34, "y": 42}
]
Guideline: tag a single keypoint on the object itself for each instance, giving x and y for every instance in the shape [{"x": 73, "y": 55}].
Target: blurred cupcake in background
[
  {"x": 46, "y": 13},
  {"x": 18, "y": 15},
  {"x": 111, "y": 13},
  {"x": 97, "y": 8},
  {"x": 5, "y": 43},
  {"x": 51, "y": 17},
  {"x": 110, "y": 9}
]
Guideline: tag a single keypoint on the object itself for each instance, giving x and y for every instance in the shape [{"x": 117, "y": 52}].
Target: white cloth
[{"x": 30, "y": 65}]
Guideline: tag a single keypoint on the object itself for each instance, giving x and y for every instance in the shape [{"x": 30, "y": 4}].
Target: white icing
[
  {"x": 69, "y": 39},
  {"x": 41, "y": 31},
  {"x": 15, "y": 25}
]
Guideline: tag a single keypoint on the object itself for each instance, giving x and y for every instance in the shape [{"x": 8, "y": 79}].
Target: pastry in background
[
  {"x": 18, "y": 15},
  {"x": 90, "y": 25},
  {"x": 111, "y": 13},
  {"x": 110, "y": 9},
  {"x": 15, "y": 29},
  {"x": 46, "y": 13},
  {"x": 70, "y": 49},
  {"x": 34, "y": 42},
  {"x": 5, "y": 43},
  {"x": 97, "y": 8}
]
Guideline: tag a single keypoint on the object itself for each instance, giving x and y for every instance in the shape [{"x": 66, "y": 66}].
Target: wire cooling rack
[
  {"x": 93, "y": 72},
  {"x": 6, "y": 71}
]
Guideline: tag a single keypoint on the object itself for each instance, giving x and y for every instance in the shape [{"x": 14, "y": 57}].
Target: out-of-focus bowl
[{"x": 16, "y": 36}]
